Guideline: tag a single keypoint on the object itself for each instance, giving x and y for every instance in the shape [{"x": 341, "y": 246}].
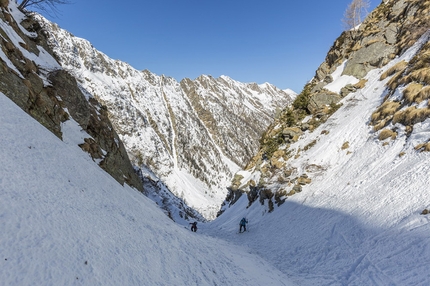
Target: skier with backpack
[
  {"x": 242, "y": 224},
  {"x": 193, "y": 226}
]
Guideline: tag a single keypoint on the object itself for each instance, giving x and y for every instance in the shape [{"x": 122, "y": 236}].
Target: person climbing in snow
[
  {"x": 243, "y": 223},
  {"x": 193, "y": 226}
]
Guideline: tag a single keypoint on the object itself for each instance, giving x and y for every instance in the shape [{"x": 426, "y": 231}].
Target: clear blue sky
[{"x": 277, "y": 41}]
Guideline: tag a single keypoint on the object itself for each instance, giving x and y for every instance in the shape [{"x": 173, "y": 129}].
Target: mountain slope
[
  {"x": 340, "y": 184},
  {"x": 66, "y": 222},
  {"x": 402, "y": 100},
  {"x": 33, "y": 79},
  {"x": 359, "y": 221},
  {"x": 192, "y": 134}
]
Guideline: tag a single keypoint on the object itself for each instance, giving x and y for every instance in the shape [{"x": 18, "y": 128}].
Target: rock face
[
  {"x": 193, "y": 134},
  {"x": 31, "y": 77},
  {"x": 369, "y": 57},
  {"x": 384, "y": 36}
]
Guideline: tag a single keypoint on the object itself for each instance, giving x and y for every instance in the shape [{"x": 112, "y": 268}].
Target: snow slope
[
  {"x": 359, "y": 222},
  {"x": 64, "y": 221}
]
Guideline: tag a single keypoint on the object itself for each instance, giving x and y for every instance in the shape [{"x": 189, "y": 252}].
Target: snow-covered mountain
[
  {"x": 192, "y": 134},
  {"x": 337, "y": 194},
  {"x": 66, "y": 222},
  {"x": 34, "y": 80}
]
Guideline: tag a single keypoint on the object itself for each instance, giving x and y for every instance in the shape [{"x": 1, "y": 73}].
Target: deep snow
[{"x": 64, "y": 221}]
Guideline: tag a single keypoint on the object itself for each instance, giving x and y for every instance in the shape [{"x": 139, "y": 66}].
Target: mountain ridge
[{"x": 201, "y": 130}]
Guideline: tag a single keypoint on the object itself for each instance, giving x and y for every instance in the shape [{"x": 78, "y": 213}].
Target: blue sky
[{"x": 277, "y": 41}]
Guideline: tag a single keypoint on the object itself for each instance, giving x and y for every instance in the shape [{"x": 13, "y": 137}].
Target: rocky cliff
[{"x": 33, "y": 79}]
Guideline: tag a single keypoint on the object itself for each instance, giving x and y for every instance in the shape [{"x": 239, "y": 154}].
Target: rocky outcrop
[
  {"x": 36, "y": 82},
  {"x": 391, "y": 29},
  {"x": 406, "y": 106},
  {"x": 377, "y": 40},
  {"x": 368, "y": 58}
]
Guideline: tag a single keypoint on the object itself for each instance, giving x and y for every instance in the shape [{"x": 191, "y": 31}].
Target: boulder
[
  {"x": 368, "y": 58},
  {"x": 320, "y": 100},
  {"x": 391, "y": 34},
  {"x": 347, "y": 89},
  {"x": 297, "y": 189}
]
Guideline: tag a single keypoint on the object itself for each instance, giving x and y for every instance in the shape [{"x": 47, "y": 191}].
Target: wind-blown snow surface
[
  {"x": 64, "y": 221},
  {"x": 359, "y": 222}
]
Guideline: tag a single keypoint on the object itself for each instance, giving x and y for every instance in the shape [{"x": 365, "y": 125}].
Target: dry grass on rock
[
  {"x": 412, "y": 91},
  {"x": 384, "y": 114},
  {"x": 387, "y": 133},
  {"x": 411, "y": 115},
  {"x": 399, "y": 67}
]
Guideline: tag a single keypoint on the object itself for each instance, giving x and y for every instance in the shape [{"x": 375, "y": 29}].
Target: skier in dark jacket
[
  {"x": 193, "y": 226},
  {"x": 243, "y": 223}
]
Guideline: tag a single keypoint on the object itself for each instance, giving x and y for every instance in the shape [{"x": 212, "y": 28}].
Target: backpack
[{"x": 243, "y": 221}]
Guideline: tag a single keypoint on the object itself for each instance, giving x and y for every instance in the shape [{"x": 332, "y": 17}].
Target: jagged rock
[
  {"x": 423, "y": 147},
  {"x": 398, "y": 8},
  {"x": 30, "y": 94},
  {"x": 90, "y": 146},
  {"x": 328, "y": 79},
  {"x": 391, "y": 29},
  {"x": 66, "y": 87},
  {"x": 289, "y": 172},
  {"x": 252, "y": 195},
  {"x": 304, "y": 180},
  {"x": 318, "y": 87},
  {"x": 322, "y": 71},
  {"x": 231, "y": 199},
  {"x": 93, "y": 118},
  {"x": 304, "y": 126},
  {"x": 265, "y": 194},
  {"x": 277, "y": 159},
  {"x": 192, "y": 124}
]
